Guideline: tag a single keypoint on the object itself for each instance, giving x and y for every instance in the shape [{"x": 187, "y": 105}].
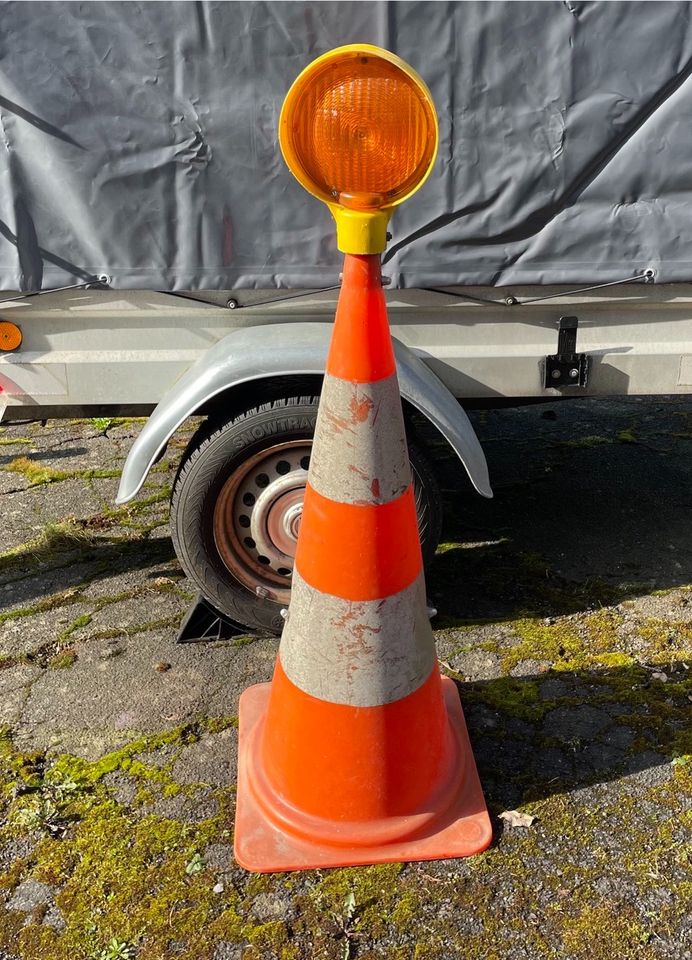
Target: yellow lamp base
[{"x": 360, "y": 231}]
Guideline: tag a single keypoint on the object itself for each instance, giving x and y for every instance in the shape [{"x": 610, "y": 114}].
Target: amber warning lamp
[
  {"x": 358, "y": 130},
  {"x": 10, "y": 336}
]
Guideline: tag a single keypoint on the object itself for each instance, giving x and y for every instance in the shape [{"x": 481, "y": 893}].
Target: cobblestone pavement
[{"x": 565, "y": 616}]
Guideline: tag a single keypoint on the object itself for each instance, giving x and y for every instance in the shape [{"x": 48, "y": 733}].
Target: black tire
[{"x": 207, "y": 487}]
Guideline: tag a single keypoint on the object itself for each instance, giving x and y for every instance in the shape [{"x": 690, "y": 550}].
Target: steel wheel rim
[{"x": 257, "y": 518}]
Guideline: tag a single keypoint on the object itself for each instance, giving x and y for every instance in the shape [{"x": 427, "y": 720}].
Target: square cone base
[{"x": 262, "y": 848}]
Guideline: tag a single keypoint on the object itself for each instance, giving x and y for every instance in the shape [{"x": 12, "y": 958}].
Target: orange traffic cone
[{"x": 357, "y": 752}]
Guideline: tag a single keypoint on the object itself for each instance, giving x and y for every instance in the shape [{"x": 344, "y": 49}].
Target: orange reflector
[
  {"x": 358, "y": 128},
  {"x": 10, "y": 336}
]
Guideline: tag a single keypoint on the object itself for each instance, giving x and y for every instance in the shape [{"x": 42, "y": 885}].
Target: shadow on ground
[
  {"x": 592, "y": 501},
  {"x": 538, "y": 736},
  {"x": 592, "y": 505},
  {"x": 50, "y": 455},
  {"x": 62, "y": 559}
]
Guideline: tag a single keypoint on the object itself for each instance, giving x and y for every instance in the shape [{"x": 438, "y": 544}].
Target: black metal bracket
[
  {"x": 567, "y": 368},
  {"x": 204, "y": 623}
]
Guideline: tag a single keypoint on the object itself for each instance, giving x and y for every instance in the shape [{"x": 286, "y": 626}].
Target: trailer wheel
[{"x": 237, "y": 501}]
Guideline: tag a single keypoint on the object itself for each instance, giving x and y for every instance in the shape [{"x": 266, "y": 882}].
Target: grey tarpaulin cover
[{"x": 139, "y": 140}]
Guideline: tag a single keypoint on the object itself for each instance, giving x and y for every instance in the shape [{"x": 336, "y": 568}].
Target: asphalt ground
[{"x": 564, "y": 615}]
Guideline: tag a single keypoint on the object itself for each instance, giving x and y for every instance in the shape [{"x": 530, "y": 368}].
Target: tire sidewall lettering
[{"x": 265, "y": 431}]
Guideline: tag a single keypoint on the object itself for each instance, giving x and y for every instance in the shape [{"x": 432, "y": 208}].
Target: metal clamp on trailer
[{"x": 566, "y": 368}]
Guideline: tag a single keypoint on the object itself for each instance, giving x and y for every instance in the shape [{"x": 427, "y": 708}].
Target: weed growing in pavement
[
  {"x": 102, "y": 423},
  {"x": 117, "y": 950},
  {"x": 54, "y": 538},
  {"x": 346, "y": 922},
  {"x": 195, "y": 864},
  {"x": 43, "y": 801}
]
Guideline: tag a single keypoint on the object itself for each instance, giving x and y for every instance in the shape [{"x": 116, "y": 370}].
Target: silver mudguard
[{"x": 273, "y": 350}]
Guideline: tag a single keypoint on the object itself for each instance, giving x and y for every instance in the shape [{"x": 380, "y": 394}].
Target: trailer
[{"x": 157, "y": 260}]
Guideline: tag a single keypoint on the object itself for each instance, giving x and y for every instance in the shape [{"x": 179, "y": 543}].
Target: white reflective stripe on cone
[
  {"x": 364, "y": 653},
  {"x": 359, "y": 451}
]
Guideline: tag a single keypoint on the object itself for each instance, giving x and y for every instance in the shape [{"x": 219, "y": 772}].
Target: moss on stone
[
  {"x": 63, "y": 660},
  {"x": 88, "y": 772},
  {"x": 517, "y": 697},
  {"x": 593, "y": 641},
  {"x": 52, "y": 602},
  {"x": 131, "y": 630},
  {"x": 127, "y": 878},
  {"x": 12, "y": 441},
  {"x": 245, "y": 640},
  {"x": 591, "y": 441},
  {"x": 38, "y": 475},
  {"x": 143, "y": 896},
  {"x": 119, "y": 875},
  {"x": 123, "y": 875},
  {"x": 83, "y": 620},
  {"x": 267, "y": 939},
  {"x": 556, "y": 642},
  {"x": 667, "y": 640},
  {"x": 599, "y": 932}
]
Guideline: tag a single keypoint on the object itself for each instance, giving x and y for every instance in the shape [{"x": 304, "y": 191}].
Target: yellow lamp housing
[{"x": 358, "y": 130}]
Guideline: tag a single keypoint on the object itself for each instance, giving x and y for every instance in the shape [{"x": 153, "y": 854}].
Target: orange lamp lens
[
  {"x": 363, "y": 132},
  {"x": 10, "y": 336}
]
